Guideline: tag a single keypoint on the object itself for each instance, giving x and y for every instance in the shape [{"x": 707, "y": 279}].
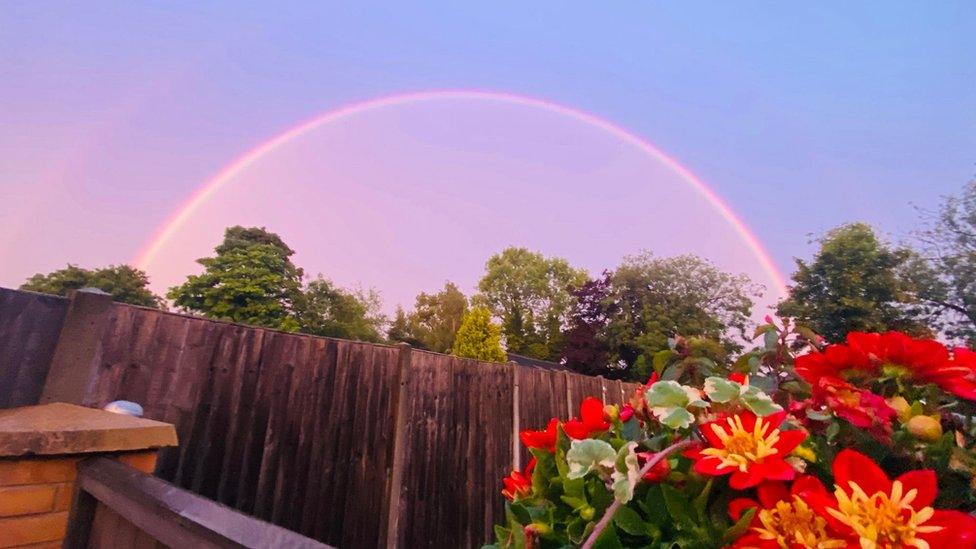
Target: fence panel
[
  {"x": 457, "y": 440},
  {"x": 29, "y": 327}
]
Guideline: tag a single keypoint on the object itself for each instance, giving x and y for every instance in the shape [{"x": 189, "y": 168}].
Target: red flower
[
  {"x": 751, "y": 448},
  {"x": 869, "y": 508},
  {"x": 964, "y": 385},
  {"x": 658, "y": 472},
  {"x": 591, "y": 410},
  {"x": 519, "y": 484},
  {"x": 860, "y": 408},
  {"x": 784, "y": 519},
  {"x": 870, "y": 355},
  {"x": 545, "y": 440},
  {"x": 739, "y": 377}
]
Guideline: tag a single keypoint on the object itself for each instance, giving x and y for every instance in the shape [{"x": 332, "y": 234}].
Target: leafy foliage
[
  {"x": 854, "y": 283},
  {"x": 434, "y": 321},
  {"x": 479, "y": 338},
  {"x": 126, "y": 284},
  {"x": 530, "y": 293},
  {"x": 327, "y": 310},
  {"x": 947, "y": 282}
]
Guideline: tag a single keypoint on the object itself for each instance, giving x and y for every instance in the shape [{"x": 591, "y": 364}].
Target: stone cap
[{"x": 60, "y": 428}]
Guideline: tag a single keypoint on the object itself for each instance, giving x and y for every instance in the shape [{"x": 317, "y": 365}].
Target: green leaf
[
  {"x": 665, "y": 394},
  {"x": 587, "y": 455},
  {"x": 608, "y": 539},
  {"x": 630, "y": 521},
  {"x": 626, "y": 473},
  {"x": 678, "y": 507},
  {"x": 520, "y": 513},
  {"x": 701, "y": 500},
  {"x": 675, "y": 418},
  {"x": 740, "y": 527},
  {"x": 759, "y": 402},
  {"x": 721, "y": 390},
  {"x": 661, "y": 360}
]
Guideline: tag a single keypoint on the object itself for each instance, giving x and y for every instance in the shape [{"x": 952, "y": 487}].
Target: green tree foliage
[
  {"x": 479, "y": 338},
  {"x": 327, "y": 310},
  {"x": 126, "y": 284},
  {"x": 854, "y": 283},
  {"x": 434, "y": 321},
  {"x": 946, "y": 282},
  {"x": 253, "y": 283},
  {"x": 652, "y": 300},
  {"x": 531, "y": 295}
]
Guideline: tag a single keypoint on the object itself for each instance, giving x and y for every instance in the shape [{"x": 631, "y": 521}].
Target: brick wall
[{"x": 36, "y": 495}]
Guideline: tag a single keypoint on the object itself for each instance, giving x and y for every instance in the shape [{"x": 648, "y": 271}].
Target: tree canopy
[
  {"x": 124, "y": 283},
  {"x": 251, "y": 279},
  {"x": 948, "y": 285},
  {"x": 855, "y": 282},
  {"x": 479, "y": 338},
  {"x": 434, "y": 320},
  {"x": 530, "y": 293}
]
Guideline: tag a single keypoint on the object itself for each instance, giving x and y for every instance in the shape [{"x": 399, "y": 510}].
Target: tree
[
  {"x": 251, "y": 279},
  {"x": 946, "y": 282},
  {"x": 327, "y": 310},
  {"x": 854, "y": 283},
  {"x": 530, "y": 293},
  {"x": 434, "y": 321},
  {"x": 126, "y": 284},
  {"x": 653, "y": 300},
  {"x": 479, "y": 338},
  {"x": 585, "y": 349}
]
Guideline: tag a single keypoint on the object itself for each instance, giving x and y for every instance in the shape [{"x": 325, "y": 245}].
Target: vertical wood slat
[{"x": 30, "y": 324}]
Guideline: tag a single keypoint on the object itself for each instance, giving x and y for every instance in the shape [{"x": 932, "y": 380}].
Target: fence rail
[
  {"x": 118, "y": 506},
  {"x": 353, "y": 444}
]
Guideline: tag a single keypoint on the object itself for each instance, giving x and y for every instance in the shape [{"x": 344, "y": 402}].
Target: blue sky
[{"x": 801, "y": 116}]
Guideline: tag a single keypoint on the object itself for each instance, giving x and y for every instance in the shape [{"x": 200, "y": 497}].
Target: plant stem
[{"x": 612, "y": 510}]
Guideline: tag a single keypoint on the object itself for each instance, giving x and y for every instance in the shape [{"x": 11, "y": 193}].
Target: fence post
[
  {"x": 516, "y": 419},
  {"x": 74, "y": 369},
  {"x": 390, "y": 534}
]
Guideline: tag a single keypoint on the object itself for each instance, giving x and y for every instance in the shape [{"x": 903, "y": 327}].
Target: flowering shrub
[{"x": 866, "y": 444}]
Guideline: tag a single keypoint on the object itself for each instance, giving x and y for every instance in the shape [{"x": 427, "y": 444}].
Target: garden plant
[{"x": 868, "y": 443}]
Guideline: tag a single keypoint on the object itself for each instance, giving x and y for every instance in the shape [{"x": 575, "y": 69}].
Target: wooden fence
[{"x": 350, "y": 443}]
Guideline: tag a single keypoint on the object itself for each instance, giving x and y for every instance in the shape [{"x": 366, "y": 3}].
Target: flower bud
[
  {"x": 626, "y": 413},
  {"x": 900, "y": 405},
  {"x": 925, "y": 428},
  {"x": 586, "y": 513},
  {"x": 611, "y": 412}
]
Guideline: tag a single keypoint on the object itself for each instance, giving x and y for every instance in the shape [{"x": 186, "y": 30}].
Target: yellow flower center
[
  {"x": 793, "y": 523},
  {"x": 742, "y": 446},
  {"x": 884, "y": 520}
]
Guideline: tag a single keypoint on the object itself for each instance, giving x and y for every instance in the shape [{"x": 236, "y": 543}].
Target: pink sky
[{"x": 404, "y": 197}]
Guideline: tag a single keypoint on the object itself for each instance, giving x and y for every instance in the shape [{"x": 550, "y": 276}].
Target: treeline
[{"x": 611, "y": 324}]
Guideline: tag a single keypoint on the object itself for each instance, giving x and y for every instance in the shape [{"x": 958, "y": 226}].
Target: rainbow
[{"x": 148, "y": 254}]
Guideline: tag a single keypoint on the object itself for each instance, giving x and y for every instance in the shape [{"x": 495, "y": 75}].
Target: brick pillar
[{"x": 40, "y": 447}]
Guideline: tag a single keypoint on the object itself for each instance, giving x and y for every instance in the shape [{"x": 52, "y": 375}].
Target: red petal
[
  {"x": 925, "y": 482},
  {"x": 591, "y": 410},
  {"x": 958, "y": 530},
  {"x": 775, "y": 469},
  {"x": 808, "y": 484},
  {"x": 575, "y": 428},
  {"x": 740, "y": 505},
  {"x": 775, "y": 419},
  {"x": 852, "y": 466},
  {"x": 710, "y": 436},
  {"x": 772, "y": 492},
  {"x": 741, "y": 481},
  {"x": 711, "y": 466},
  {"x": 788, "y": 440}
]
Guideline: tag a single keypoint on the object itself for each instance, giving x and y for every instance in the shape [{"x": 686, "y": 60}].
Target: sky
[{"x": 799, "y": 117}]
